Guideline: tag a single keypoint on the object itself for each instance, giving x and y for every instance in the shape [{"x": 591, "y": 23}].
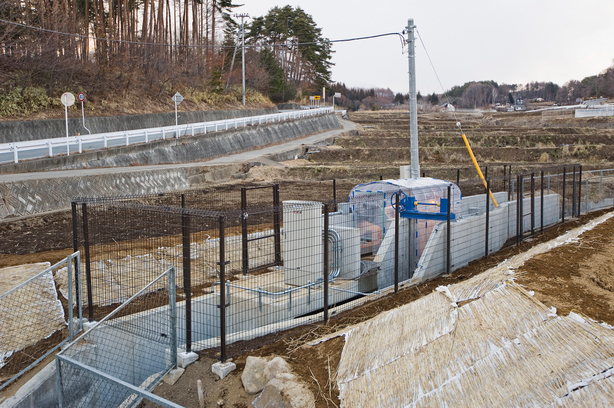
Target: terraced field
[{"x": 523, "y": 140}]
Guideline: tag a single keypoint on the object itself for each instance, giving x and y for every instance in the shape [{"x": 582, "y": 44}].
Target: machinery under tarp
[{"x": 421, "y": 199}]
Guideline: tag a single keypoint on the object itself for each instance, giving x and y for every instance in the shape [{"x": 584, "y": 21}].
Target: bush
[{"x": 25, "y": 101}]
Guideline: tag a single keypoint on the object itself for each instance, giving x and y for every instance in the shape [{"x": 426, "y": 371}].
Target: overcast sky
[{"x": 508, "y": 41}]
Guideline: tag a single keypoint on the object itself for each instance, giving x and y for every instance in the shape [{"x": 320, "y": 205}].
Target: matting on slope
[
  {"x": 482, "y": 342},
  {"x": 30, "y": 313},
  {"x": 504, "y": 349}
]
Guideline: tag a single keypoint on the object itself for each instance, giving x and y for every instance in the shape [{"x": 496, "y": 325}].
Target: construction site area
[{"x": 376, "y": 287}]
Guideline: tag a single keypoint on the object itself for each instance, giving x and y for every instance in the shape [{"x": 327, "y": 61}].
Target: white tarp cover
[
  {"x": 424, "y": 189},
  {"x": 30, "y": 313}
]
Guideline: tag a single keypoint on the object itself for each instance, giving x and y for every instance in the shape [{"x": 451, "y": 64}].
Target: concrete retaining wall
[
  {"x": 468, "y": 238},
  {"x": 18, "y": 131},
  {"x": 185, "y": 149}
]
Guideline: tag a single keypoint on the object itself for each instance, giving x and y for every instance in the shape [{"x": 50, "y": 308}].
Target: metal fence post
[
  {"x": 573, "y": 194},
  {"x": 69, "y": 281},
  {"x": 487, "y": 218},
  {"x": 541, "y": 204},
  {"x": 449, "y": 233},
  {"x": 580, "y": 192},
  {"x": 504, "y": 175},
  {"x": 88, "y": 270},
  {"x": 532, "y": 204},
  {"x": 75, "y": 247},
  {"x": 396, "y": 244},
  {"x": 222, "y": 291},
  {"x": 172, "y": 300},
  {"x": 509, "y": 184},
  {"x": 244, "y": 243},
  {"x": 457, "y": 176},
  {"x": 187, "y": 278},
  {"x": 326, "y": 255},
  {"x": 563, "y": 209},
  {"x": 518, "y": 210},
  {"x": 335, "y": 194},
  {"x": 58, "y": 381},
  {"x": 277, "y": 224}
]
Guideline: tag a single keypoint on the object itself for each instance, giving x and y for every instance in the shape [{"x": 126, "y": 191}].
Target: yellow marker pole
[{"x": 477, "y": 167}]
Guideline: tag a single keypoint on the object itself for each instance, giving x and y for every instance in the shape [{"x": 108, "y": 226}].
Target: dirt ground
[{"x": 576, "y": 276}]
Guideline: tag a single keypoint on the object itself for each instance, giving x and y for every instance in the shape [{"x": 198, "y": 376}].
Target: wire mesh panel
[
  {"x": 128, "y": 349},
  {"x": 265, "y": 262},
  {"x": 34, "y": 318}
]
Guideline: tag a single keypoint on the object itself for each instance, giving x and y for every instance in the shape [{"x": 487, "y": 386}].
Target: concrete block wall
[
  {"x": 19, "y": 131},
  {"x": 182, "y": 150},
  {"x": 467, "y": 241},
  {"x": 28, "y": 197}
]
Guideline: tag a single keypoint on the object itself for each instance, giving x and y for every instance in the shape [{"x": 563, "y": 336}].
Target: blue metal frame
[{"x": 410, "y": 202}]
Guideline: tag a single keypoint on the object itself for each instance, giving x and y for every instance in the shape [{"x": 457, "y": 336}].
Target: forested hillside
[{"x": 148, "y": 49}]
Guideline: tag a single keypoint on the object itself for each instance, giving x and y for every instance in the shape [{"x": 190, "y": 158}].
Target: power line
[
  {"x": 76, "y": 35},
  {"x": 438, "y": 80}
]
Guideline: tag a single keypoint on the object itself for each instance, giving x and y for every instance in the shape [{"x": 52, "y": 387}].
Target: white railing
[{"x": 33, "y": 149}]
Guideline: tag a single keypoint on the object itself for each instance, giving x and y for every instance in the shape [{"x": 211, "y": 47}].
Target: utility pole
[
  {"x": 242, "y": 17},
  {"x": 413, "y": 105}
]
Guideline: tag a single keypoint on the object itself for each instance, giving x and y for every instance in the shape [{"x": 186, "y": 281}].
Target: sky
[{"x": 508, "y": 41}]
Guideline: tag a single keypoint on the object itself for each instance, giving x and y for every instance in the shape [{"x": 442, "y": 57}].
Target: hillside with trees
[{"x": 138, "y": 53}]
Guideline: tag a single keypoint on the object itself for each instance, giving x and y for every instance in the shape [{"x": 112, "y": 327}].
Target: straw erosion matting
[{"x": 483, "y": 342}]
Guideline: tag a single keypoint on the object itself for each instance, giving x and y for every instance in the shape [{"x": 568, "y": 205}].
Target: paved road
[{"x": 251, "y": 155}]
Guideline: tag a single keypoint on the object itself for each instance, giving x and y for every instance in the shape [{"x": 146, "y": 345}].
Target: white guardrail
[{"x": 34, "y": 149}]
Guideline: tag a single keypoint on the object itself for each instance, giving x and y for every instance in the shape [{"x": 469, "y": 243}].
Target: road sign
[
  {"x": 317, "y": 97},
  {"x": 337, "y": 95},
  {"x": 311, "y": 98},
  {"x": 177, "y": 98},
  {"x": 81, "y": 96},
  {"x": 68, "y": 99}
]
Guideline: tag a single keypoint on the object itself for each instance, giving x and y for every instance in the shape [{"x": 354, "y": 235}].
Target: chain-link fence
[
  {"x": 255, "y": 264},
  {"x": 35, "y": 320},
  {"x": 119, "y": 360}
]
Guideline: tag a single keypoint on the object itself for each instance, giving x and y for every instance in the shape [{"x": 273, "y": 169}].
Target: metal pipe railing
[{"x": 148, "y": 135}]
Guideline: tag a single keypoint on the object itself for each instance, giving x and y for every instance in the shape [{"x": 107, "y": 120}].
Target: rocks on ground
[{"x": 280, "y": 387}]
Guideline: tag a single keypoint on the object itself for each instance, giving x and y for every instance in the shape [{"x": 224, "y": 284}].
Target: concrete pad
[
  {"x": 89, "y": 325},
  {"x": 223, "y": 369},
  {"x": 173, "y": 376},
  {"x": 184, "y": 359}
]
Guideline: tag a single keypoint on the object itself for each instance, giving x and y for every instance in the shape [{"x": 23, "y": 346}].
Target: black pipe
[
  {"x": 580, "y": 192},
  {"x": 277, "y": 224},
  {"x": 244, "y": 246},
  {"x": 564, "y": 175},
  {"x": 326, "y": 262},
  {"x": 487, "y": 217},
  {"x": 541, "y": 210},
  {"x": 518, "y": 210},
  {"x": 396, "y": 244},
  {"x": 75, "y": 247},
  {"x": 88, "y": 269},
  {"x": 187, "y": 276},
  {"x": 222, "y": 290},
  {"x": 573, "y": 193},
  {"x": 532, "y": 204},
  {"x": 448, "y": 252},
  {"x": 457, "y": 176},
  {"x": 504, "y": 176}
]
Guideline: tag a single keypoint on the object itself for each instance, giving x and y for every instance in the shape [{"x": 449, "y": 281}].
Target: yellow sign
[{"x": 317, "y": 97}]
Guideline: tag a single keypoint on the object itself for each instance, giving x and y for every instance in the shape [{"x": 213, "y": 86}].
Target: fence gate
[{"x": 256, "y": 246}]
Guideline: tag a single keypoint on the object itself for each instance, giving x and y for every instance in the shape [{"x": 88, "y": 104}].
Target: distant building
[{"x": 448, "y": 107}]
